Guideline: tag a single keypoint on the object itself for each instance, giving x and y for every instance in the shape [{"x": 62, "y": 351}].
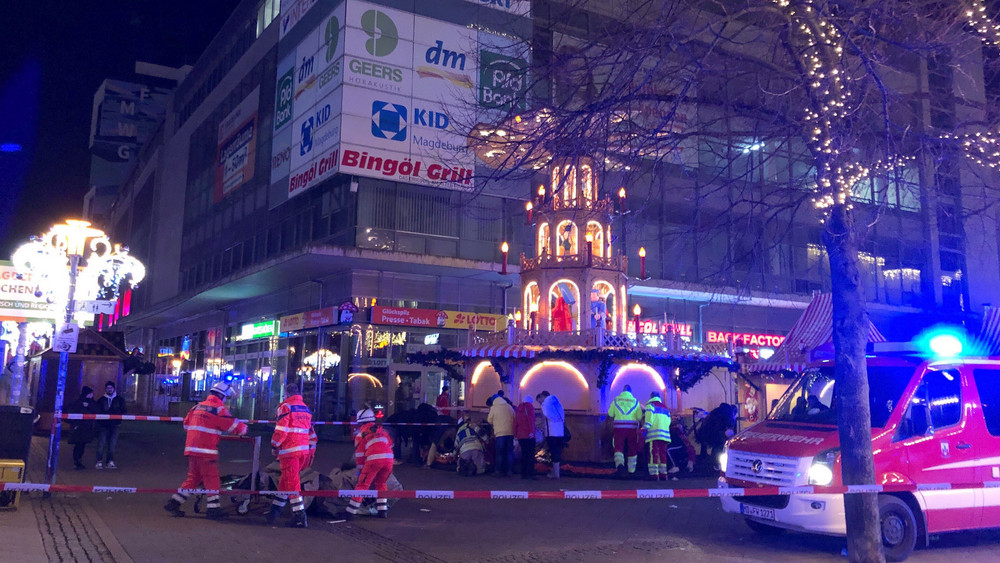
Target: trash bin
[{"x": 15, "y": 432}]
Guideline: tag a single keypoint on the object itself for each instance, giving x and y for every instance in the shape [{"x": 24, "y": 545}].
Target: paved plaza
[{"x": 134, "y": 527}]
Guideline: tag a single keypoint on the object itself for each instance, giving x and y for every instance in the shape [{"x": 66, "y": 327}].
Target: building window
[{"x": 267, "y": 12}]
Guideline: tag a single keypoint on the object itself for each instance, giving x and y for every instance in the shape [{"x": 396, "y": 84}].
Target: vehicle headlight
[
  {"x": 723, "y": 458},
  {"x": 821, "y": 470},
  {"x": 820, "y": 474}
]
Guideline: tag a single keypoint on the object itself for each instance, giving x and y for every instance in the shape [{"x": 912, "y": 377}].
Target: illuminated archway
[
  {"x": 642, "y": 378},
  {"x": 574, "y": 308},
  {"x": 567, "y": 239},
  {"x": 561, "y": 379},
  {"x": 596, "y": 232},
  {"x": 532, "y": 294},
  {"x": 588, "y": 184},
  {"x": 484, "y": 383},
  {"x": 544, "y": 240},
  {"x": 564, "y": 184},
  {"x": 365, "y": 377},
  {"x": 607, "y": 294}
]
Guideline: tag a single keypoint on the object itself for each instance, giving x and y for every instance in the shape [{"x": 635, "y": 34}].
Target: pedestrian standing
[
  {"x": 110, "y": 403},
  {"x": 82, "y": 430},
  {"x": 294, "y": 443},
  {"x": 627, "y": 416},
  {"x": 501, "y": 418},
  {"x": 443, "y": 400},
  {"x": 205, "y": 423},
  {"x": 524, "y": 432},
  {"x": 375, "y": 459},
  {"x": 656, "y": 424},
  {"x": 555, "y": 428}
]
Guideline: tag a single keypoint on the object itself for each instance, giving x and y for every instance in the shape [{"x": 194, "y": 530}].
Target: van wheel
[
  {"x": 763, "y": 529},
  {"x": 898, "y": 528}
]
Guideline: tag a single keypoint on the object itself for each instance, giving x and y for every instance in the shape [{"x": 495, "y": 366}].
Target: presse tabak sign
[{"x": 387, "y": 94}]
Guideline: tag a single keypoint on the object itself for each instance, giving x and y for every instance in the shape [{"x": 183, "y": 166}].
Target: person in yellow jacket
[
  {"x": 656, "y": 425},
  {"x": 626, "y": 413}
]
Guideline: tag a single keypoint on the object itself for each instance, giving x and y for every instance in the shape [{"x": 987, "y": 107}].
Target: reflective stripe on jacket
[
  {"x": 372, "y": 443},
  {"x": 657, "y": 422},
  {"x": 205, "y": 423},
  {"x": 625, "y": 411},
  {"x": 466, "y": 439},
  {"x": 293, "y": 429}
]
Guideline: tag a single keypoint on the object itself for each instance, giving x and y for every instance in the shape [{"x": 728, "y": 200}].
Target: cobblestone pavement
[
  {"x": 69, "y": 530},
  {"x": 133, "y": 527}
]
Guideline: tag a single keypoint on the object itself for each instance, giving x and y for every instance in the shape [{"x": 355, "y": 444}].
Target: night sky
[{"x": 53, "y": 56}]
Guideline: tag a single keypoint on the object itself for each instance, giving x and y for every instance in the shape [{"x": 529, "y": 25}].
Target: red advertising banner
[
  {"x": 652, "y": 326},
  {"x": 310, "y": 319},
  {"x": 432, "y": 318}
]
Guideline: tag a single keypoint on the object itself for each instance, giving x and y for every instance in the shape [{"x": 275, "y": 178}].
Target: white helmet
[
  {"x": 222, "y": 389},
  {"x": 365, "y": 416}
]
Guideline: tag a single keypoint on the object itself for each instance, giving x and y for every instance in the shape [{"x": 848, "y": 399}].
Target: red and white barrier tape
[
  {"x": 624, "y": 494},
  {"x": 72, "y": 416}
]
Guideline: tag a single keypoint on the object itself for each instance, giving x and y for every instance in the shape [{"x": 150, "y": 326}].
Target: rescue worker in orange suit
[
  {"x": 374, "y": 445},
  {"x": 627, "y": 416},
  {"x": 294, "y": 442},
  {"x": 656, "y": 426},
  {"x": 205, "y": 423}
]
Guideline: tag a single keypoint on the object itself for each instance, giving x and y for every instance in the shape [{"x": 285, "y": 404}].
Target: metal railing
[
  {"x": 598, "y": 338},
  {"x": 619, "y": 262}
]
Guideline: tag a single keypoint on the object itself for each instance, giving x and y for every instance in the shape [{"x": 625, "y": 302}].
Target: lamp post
[
  {"x": 642, "y": 262},
  {"x": 73, "y": 262},
  {"x": 504, "y": 248}
]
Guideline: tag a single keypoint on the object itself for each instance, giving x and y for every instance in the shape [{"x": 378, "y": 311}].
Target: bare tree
[{"x": 839, "y": 86}]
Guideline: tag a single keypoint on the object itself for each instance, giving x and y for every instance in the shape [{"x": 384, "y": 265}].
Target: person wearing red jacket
[
  {"x": 524, "y": 431},
  {"x": 294, "y": 443},
  {"x": 375, "y": 462},
  {"x": 205, "y": 423},
  {"x": 443, "y": 400}
]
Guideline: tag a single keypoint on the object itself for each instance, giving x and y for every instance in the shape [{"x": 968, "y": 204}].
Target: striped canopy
[
  {"x": 813, "y": 329},
  {"x": 989, "y": 333}
]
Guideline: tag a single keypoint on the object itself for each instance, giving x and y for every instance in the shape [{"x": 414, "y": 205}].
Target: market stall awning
[
  {"x": 989, "y": 334},
  {"x": 813, "y": 330}
]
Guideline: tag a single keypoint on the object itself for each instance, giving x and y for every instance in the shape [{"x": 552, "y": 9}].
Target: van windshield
[{"x": 811, "y": 398}]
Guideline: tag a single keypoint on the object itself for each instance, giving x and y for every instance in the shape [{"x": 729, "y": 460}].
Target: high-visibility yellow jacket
[
  {"x": 657, "y": 421},
  {"x": 625, "y": 411}
]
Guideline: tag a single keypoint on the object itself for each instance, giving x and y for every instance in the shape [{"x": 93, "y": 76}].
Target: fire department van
[{"x": 933, "y": 421}]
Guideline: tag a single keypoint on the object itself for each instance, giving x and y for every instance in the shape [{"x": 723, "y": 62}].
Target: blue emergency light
[
  {"x": 945, "y": 345},
  {"x": 942, "y": 341}
]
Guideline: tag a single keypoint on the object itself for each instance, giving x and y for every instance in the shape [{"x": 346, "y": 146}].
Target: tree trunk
[{"x": 850, "y": 336}]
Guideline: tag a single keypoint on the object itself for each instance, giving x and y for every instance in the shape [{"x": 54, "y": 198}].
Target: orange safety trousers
[{"x": 203, "y": 472}]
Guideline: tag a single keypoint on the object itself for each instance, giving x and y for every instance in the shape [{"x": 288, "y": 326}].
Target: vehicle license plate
[{"x": 757, "y": 511}]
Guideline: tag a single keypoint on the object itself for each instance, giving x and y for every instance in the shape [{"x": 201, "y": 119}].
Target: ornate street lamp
[{"x": 74, "y": 263}]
